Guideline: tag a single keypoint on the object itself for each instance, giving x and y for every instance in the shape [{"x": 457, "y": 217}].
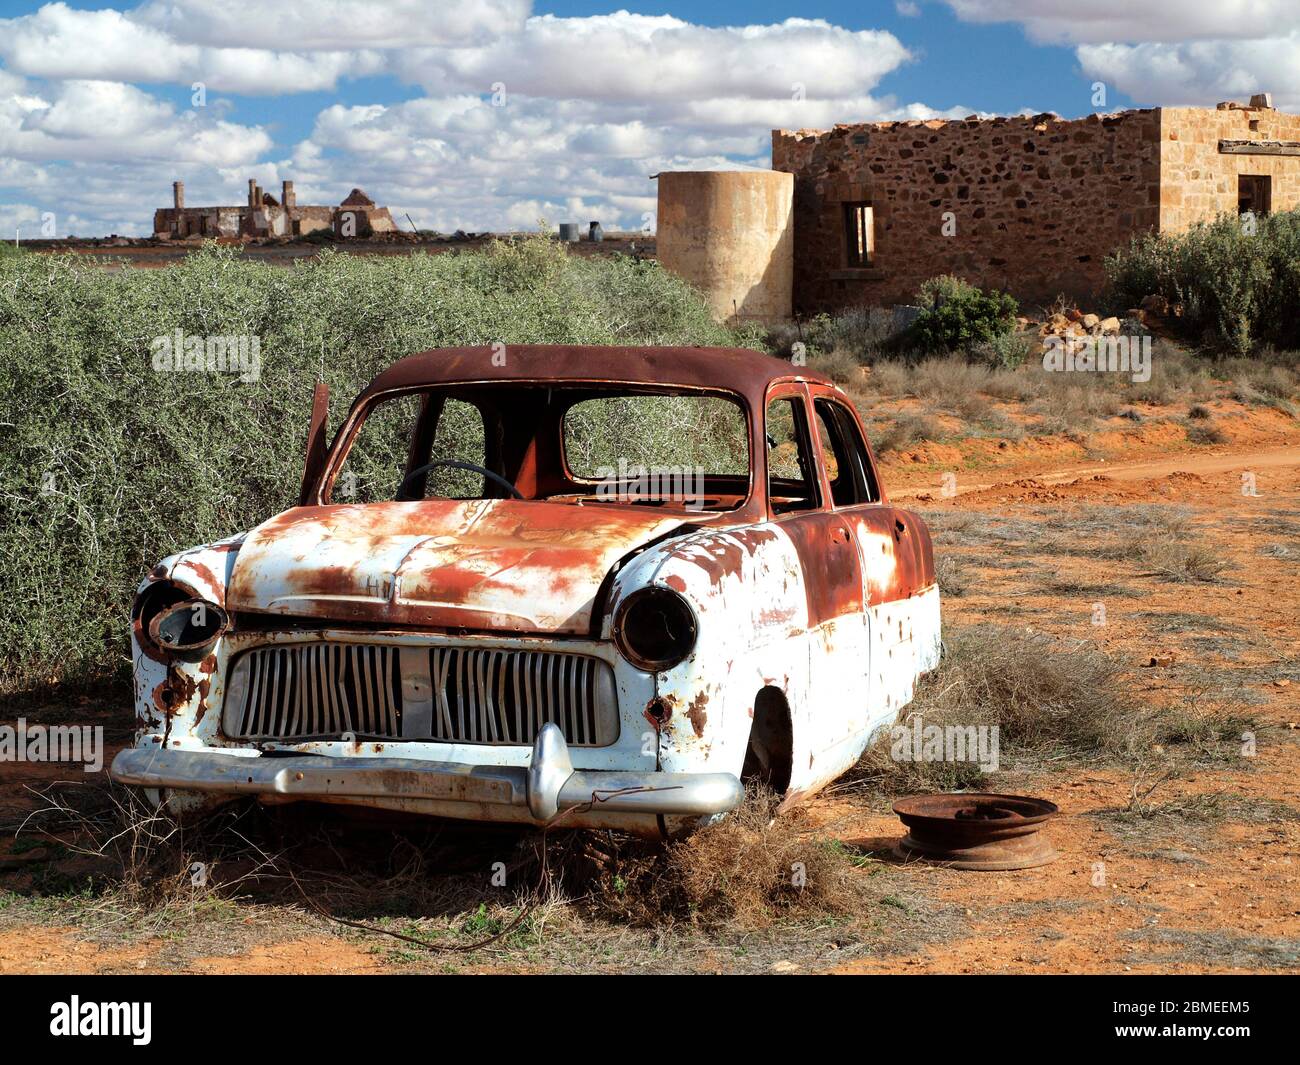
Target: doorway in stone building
[{"x": 1254, "y": 194}]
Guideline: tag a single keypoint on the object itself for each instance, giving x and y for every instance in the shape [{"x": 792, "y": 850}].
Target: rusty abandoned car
[{"x": 606, "y": 584}]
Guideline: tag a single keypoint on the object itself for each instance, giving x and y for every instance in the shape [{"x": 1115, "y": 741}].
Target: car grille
[{"x": 452, "y": 694}]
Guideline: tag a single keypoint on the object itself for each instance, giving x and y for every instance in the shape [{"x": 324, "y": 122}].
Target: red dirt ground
[{"x": 1189, "y": 898}]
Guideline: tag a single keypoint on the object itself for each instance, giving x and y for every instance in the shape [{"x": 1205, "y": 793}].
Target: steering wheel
[{"x": 473, "y": 467}]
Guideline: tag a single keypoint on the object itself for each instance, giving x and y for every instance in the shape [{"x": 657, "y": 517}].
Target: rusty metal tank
[{"x": 730, "y": 233}]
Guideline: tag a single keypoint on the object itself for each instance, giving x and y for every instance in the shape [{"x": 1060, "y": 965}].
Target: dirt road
[{"x": 1201, "y": 463}]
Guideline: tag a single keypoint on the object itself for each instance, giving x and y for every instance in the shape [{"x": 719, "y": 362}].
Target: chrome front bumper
[{"x": 548, "y": 785}]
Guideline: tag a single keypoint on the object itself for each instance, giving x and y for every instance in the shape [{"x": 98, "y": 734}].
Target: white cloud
[
  {"x": 626, "y": 57},
  {"x": 1096, "y": 21},
  {"x": 58, "y": 42},
  {"x": 259, "y": 48},
  {"x": 459, "y": 162},
  {"x": 907, "y": 8},
  {"x": 1200, "y": 72},
  {"x": 340, "y": 25},
  {"x": 19, "y": 219},
  {"x": 1191, "y": 52},
  {"x": 101, "y": 155},
  {"x": 110, "y": 121}
]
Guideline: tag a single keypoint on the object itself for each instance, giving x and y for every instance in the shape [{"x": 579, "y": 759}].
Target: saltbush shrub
[
  {"x": 107, "y": 465},
  {"x": 1229, "y": 286},
  {"x": 959, "y": 316}
]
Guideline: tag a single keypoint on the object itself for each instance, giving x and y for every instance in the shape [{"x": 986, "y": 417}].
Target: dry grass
[
  {"x": 571, "y": 901},
  {"x": 890, "y": 378},
  {"x": 952, "y": 575},
  {"x": 121, "y": 872},
  {"x": 1050, "y": 699},
  {"x": 1018, "y": 385},
  {"x": 1072, "y": 404},
  {"x": 838, "y": 364},
  {"x": 1046, "y": 696},
  {"x": 1183, "y": 563},
  {"x": 947, "y": 380},
  {"x": 1075, "y": 406},
  {"x": 905, "y": 430},
  {"x": 746, "y": 872},
  {"x": 1209, "y": 718},
  {"x": 1201, "y": 432},
  {"x": 1044, "y": 693}
]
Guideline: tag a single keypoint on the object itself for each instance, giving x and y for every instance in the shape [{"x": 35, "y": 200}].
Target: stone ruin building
[
  {"x": 264, "y": 216},
  {"x": 862, "y": 214}
]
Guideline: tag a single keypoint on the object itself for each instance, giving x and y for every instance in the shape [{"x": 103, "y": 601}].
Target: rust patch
[
  {"x": 204, "y": 686},
  {"x": 696, "y": 713},
  {"x": 203, "y": 573},
  {"x": 175, "y": 691},
  {"x": 658, "y": 712},
  {"x": 832, "y": 571}
]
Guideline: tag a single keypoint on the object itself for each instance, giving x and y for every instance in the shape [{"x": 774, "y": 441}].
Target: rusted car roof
[{"x": 738, "y": 370}]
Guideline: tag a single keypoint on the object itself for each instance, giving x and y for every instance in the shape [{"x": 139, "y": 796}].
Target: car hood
[{"x": 476, "y": 564}]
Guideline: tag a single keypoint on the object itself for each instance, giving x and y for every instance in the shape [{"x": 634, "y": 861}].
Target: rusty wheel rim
[{"x": 982, "y": 831}]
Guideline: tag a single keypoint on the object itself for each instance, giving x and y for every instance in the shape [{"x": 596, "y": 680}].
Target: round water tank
[{"x": 730, "y": 233}]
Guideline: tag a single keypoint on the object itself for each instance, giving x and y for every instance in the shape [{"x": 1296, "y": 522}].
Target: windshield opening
[{"x": 577, "y": 444}]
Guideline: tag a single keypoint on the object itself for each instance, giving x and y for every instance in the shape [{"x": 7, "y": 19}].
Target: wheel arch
[{"x": 769, "y": 753}]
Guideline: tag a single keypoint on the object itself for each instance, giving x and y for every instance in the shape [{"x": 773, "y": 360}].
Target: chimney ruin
[
  {"x": 252, "y": 192},
  {"x": 178, "y": 195},
  {"x": 287, "y": 197}
]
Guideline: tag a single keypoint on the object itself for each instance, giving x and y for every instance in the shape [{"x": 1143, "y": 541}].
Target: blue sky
[{"x": 98, "y": 114}]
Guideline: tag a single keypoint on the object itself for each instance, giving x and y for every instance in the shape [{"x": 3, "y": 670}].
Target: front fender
[
  {"x": 746, "y": 587},
  {"x": 174, "y": 700}
]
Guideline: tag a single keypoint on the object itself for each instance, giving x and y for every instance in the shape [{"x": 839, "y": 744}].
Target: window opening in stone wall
[
  {"x": 859, "y": 234},
  {"x": 1254, "y": 194}
]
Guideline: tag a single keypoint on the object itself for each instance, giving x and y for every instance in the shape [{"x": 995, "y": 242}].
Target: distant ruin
[{"x": 264, "y": 216}]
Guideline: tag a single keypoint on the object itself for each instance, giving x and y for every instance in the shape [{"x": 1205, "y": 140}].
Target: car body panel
[{"x": 496, "y": 564}]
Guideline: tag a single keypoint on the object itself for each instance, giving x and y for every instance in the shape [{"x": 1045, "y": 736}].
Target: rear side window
[{"x": 844, "y": 453}]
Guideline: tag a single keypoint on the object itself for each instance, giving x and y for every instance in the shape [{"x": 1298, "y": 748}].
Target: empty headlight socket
[{"x": 187, "y": 630}]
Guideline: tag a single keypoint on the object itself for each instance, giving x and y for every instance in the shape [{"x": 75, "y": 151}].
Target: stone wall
[
  {"x": 1027, "y": 204},
  {"x": 1199, "y": 181}
]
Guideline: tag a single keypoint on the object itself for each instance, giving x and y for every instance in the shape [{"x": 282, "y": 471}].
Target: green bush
[
  {"x": 1233, "y": 289},
  {"x": 107, "y": 465},
  {"x": 958, "y": 315},
  {"x": 943, "y": 289},
  {"x": 1006, "y": 351}
]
